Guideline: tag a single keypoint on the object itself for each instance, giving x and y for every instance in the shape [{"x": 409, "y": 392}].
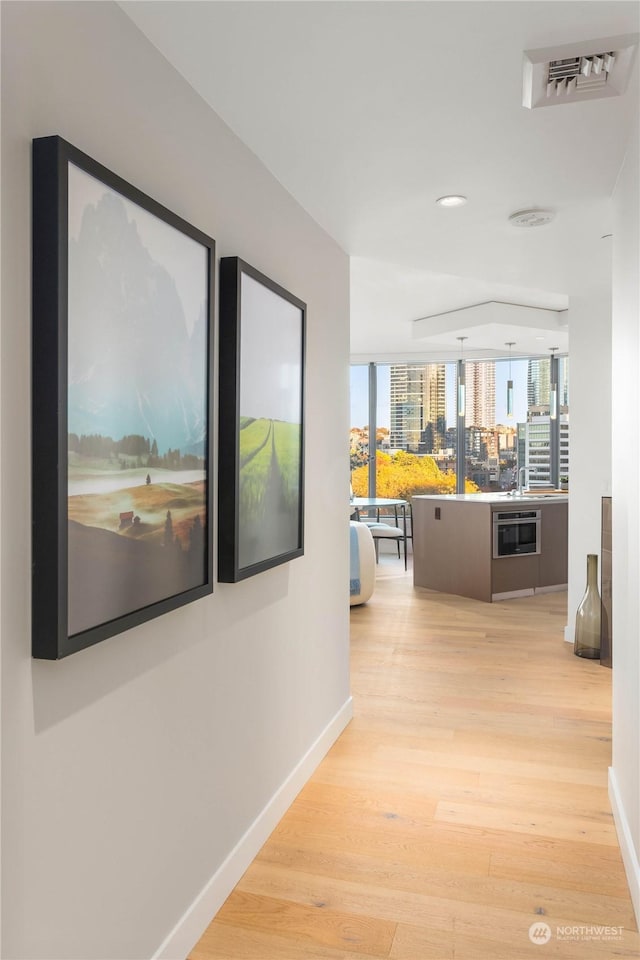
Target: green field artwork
[
  {"x": 261, "y": 523},
  {"x": 269, "y": 489}
]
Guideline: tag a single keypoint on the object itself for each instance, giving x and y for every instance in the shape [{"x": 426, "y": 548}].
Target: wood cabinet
[
  {"x": 446, "y": 537},
  {"x": 514, "y": 574},
  {"x": 606, "y": 636},
  {"x": 453, "y": 548},
  {"x": 554, "y": 544}
]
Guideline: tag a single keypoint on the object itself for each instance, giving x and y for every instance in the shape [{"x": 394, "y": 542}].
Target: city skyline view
[
  {"x": 417, "y": 418},
  {"x": 359, "y": 393}
]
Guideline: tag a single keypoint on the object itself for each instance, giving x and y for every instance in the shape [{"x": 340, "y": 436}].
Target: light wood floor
[{"x": 466, "y": 801}]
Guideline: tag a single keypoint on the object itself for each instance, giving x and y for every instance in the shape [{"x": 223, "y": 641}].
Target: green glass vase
[{"x": 587, "y": 637}]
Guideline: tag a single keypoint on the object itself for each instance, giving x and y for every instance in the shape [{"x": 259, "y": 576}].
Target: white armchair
[{"x": 362, "y": 563}]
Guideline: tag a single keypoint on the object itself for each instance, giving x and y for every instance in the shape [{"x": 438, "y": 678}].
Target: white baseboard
[
  {"x": 530, "y": 592},
  {"x": 629, "y": 855},
  {"x": 569, "y": 633},
  {"x": 512, "y": 594},
  {"x": 198, "y": 916}
]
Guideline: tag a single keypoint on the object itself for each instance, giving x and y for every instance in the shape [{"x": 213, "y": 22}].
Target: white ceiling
[{"x": 367, "y": 112}]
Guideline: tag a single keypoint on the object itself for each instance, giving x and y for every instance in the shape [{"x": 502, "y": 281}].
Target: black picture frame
[
  {"x": 122, "y": 349},
  {"x": 261, "y": 423}
]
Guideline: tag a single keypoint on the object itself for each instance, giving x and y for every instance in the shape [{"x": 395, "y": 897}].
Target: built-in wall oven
[{"x": 516, "y": 533}]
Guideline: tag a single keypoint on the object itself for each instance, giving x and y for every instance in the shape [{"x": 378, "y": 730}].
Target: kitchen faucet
[{"x": 522, "y": 480}]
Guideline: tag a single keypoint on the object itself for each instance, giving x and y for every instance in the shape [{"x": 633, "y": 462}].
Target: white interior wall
[
  {"x": 589, "y": 432},
  {"x": 131, "y": 770},
  {"x": 625, "y": 772},
  {"x": 0, "y": 508}
]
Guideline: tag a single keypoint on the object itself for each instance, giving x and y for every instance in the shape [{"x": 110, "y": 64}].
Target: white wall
[
  {"x": 589, "y": 431},
  {"x": 0, "y": 514},
  {"x": 131, "y": 769},
  {"x": 625, "y": 775}
]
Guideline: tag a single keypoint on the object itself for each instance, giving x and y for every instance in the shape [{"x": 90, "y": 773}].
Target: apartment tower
[
  {"x": 538, "y": 382},
  {"x": 418, "y": 406},
  {"x": 480, "y": 406}
]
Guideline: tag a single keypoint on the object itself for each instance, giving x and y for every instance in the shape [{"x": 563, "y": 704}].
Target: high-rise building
[
  {"x": 538, "y": 382},
  {"x": 480, "y": 404},
  {"x": 418, "y": 406},
  {"x": 563, "y": 382},
  {"x": 435, "y": 407},
  {"x": 534, "y": 450},
  {"x": 406, "y": 405}
]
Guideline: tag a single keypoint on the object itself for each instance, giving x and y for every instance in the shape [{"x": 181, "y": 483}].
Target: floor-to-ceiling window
[
  {"x": 516, "y": 415},
  {"x": 359, "y": 431},
  {"x": 543, "y": 448},
  {"x": 415, "y": 429}
]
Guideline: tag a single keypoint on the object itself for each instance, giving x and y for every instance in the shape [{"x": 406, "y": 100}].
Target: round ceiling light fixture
[
  {"x": 531, "y": 218},
  {"x": 453, "y": 200}
]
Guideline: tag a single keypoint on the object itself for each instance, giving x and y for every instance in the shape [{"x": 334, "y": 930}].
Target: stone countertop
[{"x": 501, "y": 499}]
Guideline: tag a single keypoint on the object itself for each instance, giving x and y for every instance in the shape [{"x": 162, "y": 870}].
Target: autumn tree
[{"x": 404, "y": 475}]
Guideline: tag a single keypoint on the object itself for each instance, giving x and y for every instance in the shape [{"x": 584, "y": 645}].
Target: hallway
[{"x": 466, "y": 801}]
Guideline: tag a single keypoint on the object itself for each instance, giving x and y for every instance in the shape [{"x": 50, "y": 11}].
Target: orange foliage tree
[{"x": 401, "y": 476}]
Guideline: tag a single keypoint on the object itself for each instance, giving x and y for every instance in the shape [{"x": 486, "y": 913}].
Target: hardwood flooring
[{"x": 466, "y": 801}]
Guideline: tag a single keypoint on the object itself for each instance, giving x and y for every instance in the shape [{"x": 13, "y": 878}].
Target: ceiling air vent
[
  {"x": 531, "y": 218},
  {"x": 590, "y": 70}
]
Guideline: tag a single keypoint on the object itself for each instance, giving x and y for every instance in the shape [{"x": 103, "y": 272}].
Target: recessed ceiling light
[{"x": 454, "y": 200}]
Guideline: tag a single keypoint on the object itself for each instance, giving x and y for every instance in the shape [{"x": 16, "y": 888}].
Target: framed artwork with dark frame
[
  {"x": 261, "y": 423},
  {"x": 122, "y": 341}
]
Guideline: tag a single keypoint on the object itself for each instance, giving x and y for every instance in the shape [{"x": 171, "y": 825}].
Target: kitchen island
[{"x": 490, "y": 546}]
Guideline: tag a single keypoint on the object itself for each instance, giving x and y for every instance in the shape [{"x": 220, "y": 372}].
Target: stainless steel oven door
[{"x": 516, "y": 534}]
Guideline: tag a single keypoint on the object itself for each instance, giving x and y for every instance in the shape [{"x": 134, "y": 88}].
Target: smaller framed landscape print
[
  {"x": 261, "y": 416},
  {"x": 122, "y": 408}
]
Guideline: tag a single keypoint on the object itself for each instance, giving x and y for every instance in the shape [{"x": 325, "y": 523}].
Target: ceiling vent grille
[{"x": 580, "y": 71}]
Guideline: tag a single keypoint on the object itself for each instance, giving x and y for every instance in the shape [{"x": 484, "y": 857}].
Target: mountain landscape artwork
[{"x": 137, "y": 406}]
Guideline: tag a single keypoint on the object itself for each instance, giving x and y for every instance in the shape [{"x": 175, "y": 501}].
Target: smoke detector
[
  {"x": 531, "y": 218},
  {"x": 590, "y": 70}
]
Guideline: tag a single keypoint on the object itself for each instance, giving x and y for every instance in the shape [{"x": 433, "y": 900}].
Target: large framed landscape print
[
  {"x": 121, "y": 399},
  {"x": 261, "y": 416}
]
